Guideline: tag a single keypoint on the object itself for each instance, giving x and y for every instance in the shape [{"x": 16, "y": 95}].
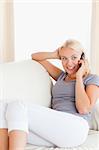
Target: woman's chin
[{"x": 71, "y": 72}]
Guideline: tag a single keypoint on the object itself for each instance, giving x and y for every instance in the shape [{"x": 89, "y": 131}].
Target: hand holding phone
[{"x": 83, "y": 66}]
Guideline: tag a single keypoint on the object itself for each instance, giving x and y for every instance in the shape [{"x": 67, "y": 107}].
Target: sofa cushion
[
  {"x": 94, "y": 124},
  {"x": 91, "y": 143},
  {"x": 27, "y": 81}
]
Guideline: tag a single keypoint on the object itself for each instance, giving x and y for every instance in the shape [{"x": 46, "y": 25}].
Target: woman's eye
[
  {"x": 63, "y": 58},
  {"x": 73, "y": 58}
]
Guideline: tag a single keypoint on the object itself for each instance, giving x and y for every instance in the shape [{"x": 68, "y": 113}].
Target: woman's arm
[
  {"x": 42, "y": 57},
  {"x": 85, "y": 98},
  {"x": 45, "y": 55}
]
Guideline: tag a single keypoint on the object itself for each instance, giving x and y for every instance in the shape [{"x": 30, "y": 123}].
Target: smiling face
[{"x": 70, "y": 59}]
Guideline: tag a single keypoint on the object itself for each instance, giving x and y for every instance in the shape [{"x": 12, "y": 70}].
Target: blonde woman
[{"x": 67, "y": 122}]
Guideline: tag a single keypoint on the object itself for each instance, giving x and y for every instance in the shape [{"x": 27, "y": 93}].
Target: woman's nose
[{"x": 69, "y": 62}]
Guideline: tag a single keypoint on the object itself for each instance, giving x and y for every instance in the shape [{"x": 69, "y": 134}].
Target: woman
[{"x": 73, "y": 97}]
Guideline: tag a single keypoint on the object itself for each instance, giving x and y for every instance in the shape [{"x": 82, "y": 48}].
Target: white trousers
[{"x": 45, "y": 126}]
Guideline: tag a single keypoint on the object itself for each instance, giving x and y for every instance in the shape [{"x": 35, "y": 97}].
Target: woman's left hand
[{"x": 83, "y": 69}]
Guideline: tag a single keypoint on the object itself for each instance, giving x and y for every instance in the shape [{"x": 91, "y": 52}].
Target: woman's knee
[
  {"x": 16, "y": 110},
  {"x": 16, "y": 116},
  {"x": 3, "y": 108},
  {"x": 75, "y": 136}
]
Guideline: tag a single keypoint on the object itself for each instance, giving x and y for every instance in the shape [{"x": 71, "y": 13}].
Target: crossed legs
[
  {"x": 50, "y": 127},
  {"x": 59, "y": 128}
]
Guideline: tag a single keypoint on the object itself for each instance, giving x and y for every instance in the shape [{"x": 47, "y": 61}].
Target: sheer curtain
[
  {"x": 95, "y": 37},
  {"x": 6, "y": 31}
]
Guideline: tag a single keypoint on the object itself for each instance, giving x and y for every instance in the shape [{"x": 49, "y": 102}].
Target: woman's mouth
[{"x": 70, "y": 68}]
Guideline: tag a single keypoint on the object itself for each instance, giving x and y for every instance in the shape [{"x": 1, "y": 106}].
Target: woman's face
[{"x": 70, "y": 59}]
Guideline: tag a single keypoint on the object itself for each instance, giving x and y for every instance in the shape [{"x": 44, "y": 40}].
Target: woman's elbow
[
  {"x": 31, "y": 56},
  {"x": 84, "y": 110}
]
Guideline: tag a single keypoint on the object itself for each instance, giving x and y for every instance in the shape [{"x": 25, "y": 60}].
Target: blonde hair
[{"x": 74, "y": 44}]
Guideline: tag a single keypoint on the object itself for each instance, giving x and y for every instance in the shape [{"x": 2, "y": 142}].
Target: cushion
[
  {"x": 91, "y": 143},
  {"x": 94, "y": 124},
  {"x": 25, "y": 80}
]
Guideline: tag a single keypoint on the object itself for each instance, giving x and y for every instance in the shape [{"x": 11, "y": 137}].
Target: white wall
[{"x": 43, "y": 26}]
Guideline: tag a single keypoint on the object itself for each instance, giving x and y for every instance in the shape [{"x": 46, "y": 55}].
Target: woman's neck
[{"x": 71, "y": 77}]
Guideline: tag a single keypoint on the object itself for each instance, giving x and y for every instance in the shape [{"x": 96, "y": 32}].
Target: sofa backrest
[{"x": 27, "y": 81}]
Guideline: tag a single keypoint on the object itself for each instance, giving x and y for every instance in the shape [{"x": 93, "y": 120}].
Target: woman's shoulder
[
  {"x": 91, "y": 79},
  {"x": 61, "y": 76}
]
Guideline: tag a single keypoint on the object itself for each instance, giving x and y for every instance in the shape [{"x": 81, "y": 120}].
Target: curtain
[
  {"x": 95, "y": 37},
  {"x": 6, "y": 31}
]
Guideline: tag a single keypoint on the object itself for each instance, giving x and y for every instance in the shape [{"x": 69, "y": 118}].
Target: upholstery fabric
[{"x": 29, "y": 81}]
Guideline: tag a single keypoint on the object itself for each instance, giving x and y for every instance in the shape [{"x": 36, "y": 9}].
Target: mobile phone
[{"x": 82, "y": 57}]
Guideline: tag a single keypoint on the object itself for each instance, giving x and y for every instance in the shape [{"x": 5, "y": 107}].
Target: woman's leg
[
  {"x": 16, "y": 116},
  {"x": 3, "y": 139},
  {"x": 3, "y": 127},
  {"x": 17, "y": 140},
  {"x": 37, "y": 140},
  {"x": 61, "y": 129}
]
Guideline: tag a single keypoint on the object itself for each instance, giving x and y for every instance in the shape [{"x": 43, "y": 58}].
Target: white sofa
[{"x": 29, "y": 81}]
